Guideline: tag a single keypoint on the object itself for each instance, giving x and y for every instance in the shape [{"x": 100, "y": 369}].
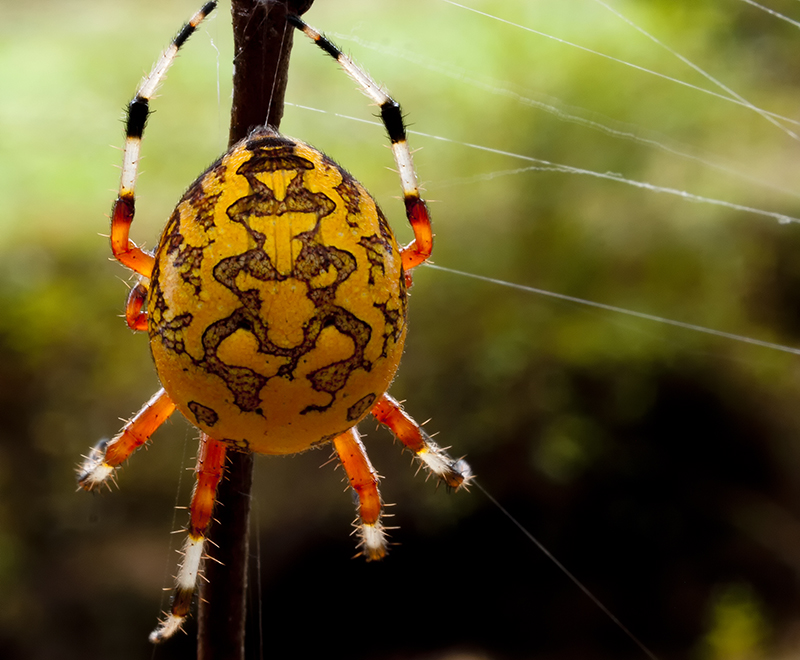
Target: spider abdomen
[{"x": 277, "y": 305}]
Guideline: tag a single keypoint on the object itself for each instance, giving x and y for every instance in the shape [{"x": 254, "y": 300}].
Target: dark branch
[{"x": 262, "y": 44}]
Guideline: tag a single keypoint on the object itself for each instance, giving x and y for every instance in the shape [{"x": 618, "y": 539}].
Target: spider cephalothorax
[{"x": 276, "y": 308}]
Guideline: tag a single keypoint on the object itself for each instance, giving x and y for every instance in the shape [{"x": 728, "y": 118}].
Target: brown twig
[{"x": 262, "y": 44}]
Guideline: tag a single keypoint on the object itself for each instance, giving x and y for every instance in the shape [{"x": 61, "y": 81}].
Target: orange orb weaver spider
[{"x": 276, "y": 308}]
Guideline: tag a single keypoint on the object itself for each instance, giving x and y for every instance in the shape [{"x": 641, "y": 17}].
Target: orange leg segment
[
  {"x": 418, "y": 250},
  {"x": 364, "y": 481},
  {"x": 454, "y": 473},
  {"x": 124, "y": 249},
  {"x": 209, "y": 471},
  {"x": 107, "y": 455},
  {"x": 134, "y": 316}
]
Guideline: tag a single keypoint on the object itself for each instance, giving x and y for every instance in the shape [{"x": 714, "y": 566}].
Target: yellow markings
[
  {"x": 278, "y": 182},
  {"x": 332, "y": 346},
  {"x": 241, "y": 350},
  {"x": 285, "y": 311},
  {"x": 277, "y": 302}
]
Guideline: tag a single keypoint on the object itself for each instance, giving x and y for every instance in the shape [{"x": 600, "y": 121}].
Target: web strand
[
  {"x": 575, "y": 115},
  {"x": 566, "y": 571},
  {"x": 773, "y": 13},
  {"x": 701, "y": 71},
  {"x": 730, "y": 97},
  {"x": 621, "y": 310},
  {"x": 545, "y": 165}
]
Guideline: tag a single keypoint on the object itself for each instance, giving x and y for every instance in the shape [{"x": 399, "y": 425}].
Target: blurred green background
[{"x": 658, "y": 464}]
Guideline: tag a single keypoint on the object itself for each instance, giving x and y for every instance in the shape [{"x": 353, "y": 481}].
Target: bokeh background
[{"x": 659, "y": 464}]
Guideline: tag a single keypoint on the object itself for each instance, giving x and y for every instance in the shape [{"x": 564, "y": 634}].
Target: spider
[{"x": 276, "y": 307}]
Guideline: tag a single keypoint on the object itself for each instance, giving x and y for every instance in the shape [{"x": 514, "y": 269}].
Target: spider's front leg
[
  {"x": 107, "y": 455},
  {"x": 122, "y": 247},
  {"x": 419, "y": 250},
  {"x": 364, "y": 481},
  {"x": 209, "y": 470},
  {"x": 455, "y": 473}
]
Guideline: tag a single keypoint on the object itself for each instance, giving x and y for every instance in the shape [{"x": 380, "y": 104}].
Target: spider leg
[
  {"x": 364, "y": 481},
  {"x": 418, "y": 250},
  {"x": 209, "y": 471},
  {"x": 107, "y": 455},
  {"x": 124, "y": 249},
  {"x": 455, "y": 473},
  {"x": 134, "y": 316}
]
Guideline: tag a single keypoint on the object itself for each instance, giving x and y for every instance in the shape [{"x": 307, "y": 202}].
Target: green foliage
[{"x": 738, "y": 628}]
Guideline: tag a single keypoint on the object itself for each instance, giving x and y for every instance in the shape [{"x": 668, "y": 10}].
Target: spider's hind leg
[
  {"x": 455, "y": 473},
  {"x": 107, "y": 455},
  {"x": 364, "y": 481},
  {"x": 209, "y": 471}
]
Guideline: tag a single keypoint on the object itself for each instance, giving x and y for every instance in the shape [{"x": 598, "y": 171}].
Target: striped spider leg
[
  {"x": 419, "y": 249},
  {"x": 364, "y": 480},
  {"x": 108, "y": 455},
  {"x": 105, "y": 457}
]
